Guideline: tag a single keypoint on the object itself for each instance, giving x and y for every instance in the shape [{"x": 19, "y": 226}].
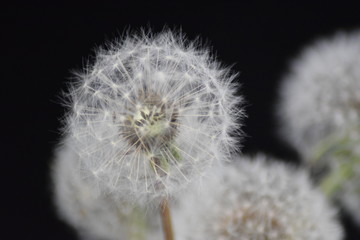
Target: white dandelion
[
  {"x": 254, "y": 198},
  {"x": 92, "y": 215},
  {"x": 320, "y": 113},
  {"x": 151, "y": 115},
  {"x": 321, "y": 94}
]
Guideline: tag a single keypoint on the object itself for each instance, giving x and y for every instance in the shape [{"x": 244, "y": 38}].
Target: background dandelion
[
  {"x": 257, "y": 198},
  {"x": 92, "y": 215},
  {"x": 320, "y": 113},
  {"x": 321, "y": 94}
]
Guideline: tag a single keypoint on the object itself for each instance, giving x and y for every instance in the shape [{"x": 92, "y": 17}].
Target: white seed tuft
[
  {"x": 257, "y": 199},
  {"x": 151, "y": 115},
  {"x": 322, "y": 92},
  {"x": 320, "y": 112},
  {"x": 92, "y": 215}
]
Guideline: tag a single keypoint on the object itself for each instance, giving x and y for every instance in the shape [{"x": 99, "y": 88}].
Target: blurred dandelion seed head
[
  {"x": 257, "y": 198},
  {"x": 321, "y": 94},
  {"x": 92, "y": 215},
  {"x": 320, "y": 113}
]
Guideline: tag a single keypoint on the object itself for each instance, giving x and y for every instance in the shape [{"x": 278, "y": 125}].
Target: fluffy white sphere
[
  {"x": 320, "y": 111},
  {"x": 321, "y": 94},
  {"x": 95, "y": 216},
  {"x": 151, "y": 115},
  {"x": 256, "y": 199}
]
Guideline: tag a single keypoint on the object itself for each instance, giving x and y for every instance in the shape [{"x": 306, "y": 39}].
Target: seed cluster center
[{"x": 151, "y": 122}]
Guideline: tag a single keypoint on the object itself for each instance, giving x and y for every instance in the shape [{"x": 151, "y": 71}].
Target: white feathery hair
[
  {"x": 321, "y": 94},
  {"x": 152, "y": 114},
  {"x": 257, "y": 198},
  {"x": 320, "y": 105},
  {"x": 93, "y": 215}
]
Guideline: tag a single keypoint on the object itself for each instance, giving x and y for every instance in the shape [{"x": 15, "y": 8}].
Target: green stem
[{"x": 335, "y": 179}]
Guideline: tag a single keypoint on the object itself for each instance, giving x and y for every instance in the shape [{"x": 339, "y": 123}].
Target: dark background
[{"x": 40, "y": 45}]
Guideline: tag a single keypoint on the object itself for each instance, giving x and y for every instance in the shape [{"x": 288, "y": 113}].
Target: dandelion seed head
[
  {"x": 91, "y": 214},
  {"x": 253, "y": 198},
  {"x": 321, "y": 94},
  {"x": 320, "y": 108},
  {"x": 152, "y": 114}
]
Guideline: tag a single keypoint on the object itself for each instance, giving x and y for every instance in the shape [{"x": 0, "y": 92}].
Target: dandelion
[
  {"x": 150, "y": 116},
  {"x": 254, "y": 198},
  {"x": 93, "y": 215},
  {"x": 321, "y": 93},
  {"x": 320, "y": 112}
]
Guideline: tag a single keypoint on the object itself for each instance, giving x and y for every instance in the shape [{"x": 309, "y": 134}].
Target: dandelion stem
[
  {"x": 341, "y": 150},
  {"x": 166, "y": 220},
  {"x": 333, "y": 182}
]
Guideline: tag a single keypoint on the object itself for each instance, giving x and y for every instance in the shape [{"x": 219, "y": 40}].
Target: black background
[{"x": 41, "y": 45}]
